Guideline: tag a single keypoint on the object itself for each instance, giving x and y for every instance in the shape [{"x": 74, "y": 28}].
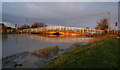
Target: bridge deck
[{"x": 64, "y": 30}]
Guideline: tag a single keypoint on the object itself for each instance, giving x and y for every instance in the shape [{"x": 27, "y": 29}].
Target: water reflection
[
  {"x": 16, "y": 43},
  {"x": 58, "y": 39},
  {"x": 4, "y": 37}
]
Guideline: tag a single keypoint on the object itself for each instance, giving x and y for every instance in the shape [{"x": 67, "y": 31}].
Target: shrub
[{"x": 47, "y": 52}]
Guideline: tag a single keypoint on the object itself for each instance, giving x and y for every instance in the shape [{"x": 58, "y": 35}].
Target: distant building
[{"x": 115, "y": 26}]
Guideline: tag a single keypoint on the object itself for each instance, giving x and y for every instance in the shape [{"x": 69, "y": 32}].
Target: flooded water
[{"x": 16, "y": 43}]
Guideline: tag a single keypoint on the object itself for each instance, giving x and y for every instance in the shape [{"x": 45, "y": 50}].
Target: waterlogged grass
[
  {"x": 101, "y": 54},
  {"x": 47, "y": 52}
]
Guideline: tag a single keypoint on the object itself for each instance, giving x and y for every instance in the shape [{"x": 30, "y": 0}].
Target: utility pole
[{"x": 108, "y": 21}]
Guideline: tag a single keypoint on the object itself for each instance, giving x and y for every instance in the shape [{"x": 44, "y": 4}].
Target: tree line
[
  {"x": 101, "y": 25},
  {"x": 35, "y": 25}
]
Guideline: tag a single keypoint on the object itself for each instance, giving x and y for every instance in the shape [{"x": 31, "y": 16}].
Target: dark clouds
[{"x": 79, "y": 14}]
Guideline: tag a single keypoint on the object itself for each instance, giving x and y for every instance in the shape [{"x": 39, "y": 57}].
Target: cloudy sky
[{"x": 75, "y": 14}]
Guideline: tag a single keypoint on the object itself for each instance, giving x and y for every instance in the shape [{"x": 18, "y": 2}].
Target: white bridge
[{"x": 65, "y": 29}]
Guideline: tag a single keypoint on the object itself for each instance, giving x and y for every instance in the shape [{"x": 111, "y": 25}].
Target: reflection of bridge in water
[
  {"x": 63, "y": 30},
  {"x": 59, "y": 39}
]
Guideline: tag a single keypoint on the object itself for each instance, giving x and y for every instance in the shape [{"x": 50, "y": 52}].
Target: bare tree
[{"x": 103, "y": 24}]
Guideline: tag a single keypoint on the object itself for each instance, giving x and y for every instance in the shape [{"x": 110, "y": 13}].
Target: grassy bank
[{"x": 101, "y": 54}]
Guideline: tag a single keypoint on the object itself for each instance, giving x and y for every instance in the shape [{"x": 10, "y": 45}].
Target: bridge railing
[{"x": 62, "y": 28}]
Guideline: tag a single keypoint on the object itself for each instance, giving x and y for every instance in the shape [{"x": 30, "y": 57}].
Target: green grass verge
[{"x": 101, "y": 54}]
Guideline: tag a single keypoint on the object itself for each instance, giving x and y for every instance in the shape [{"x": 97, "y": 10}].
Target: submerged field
[{"x": 100, "y": 54}]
